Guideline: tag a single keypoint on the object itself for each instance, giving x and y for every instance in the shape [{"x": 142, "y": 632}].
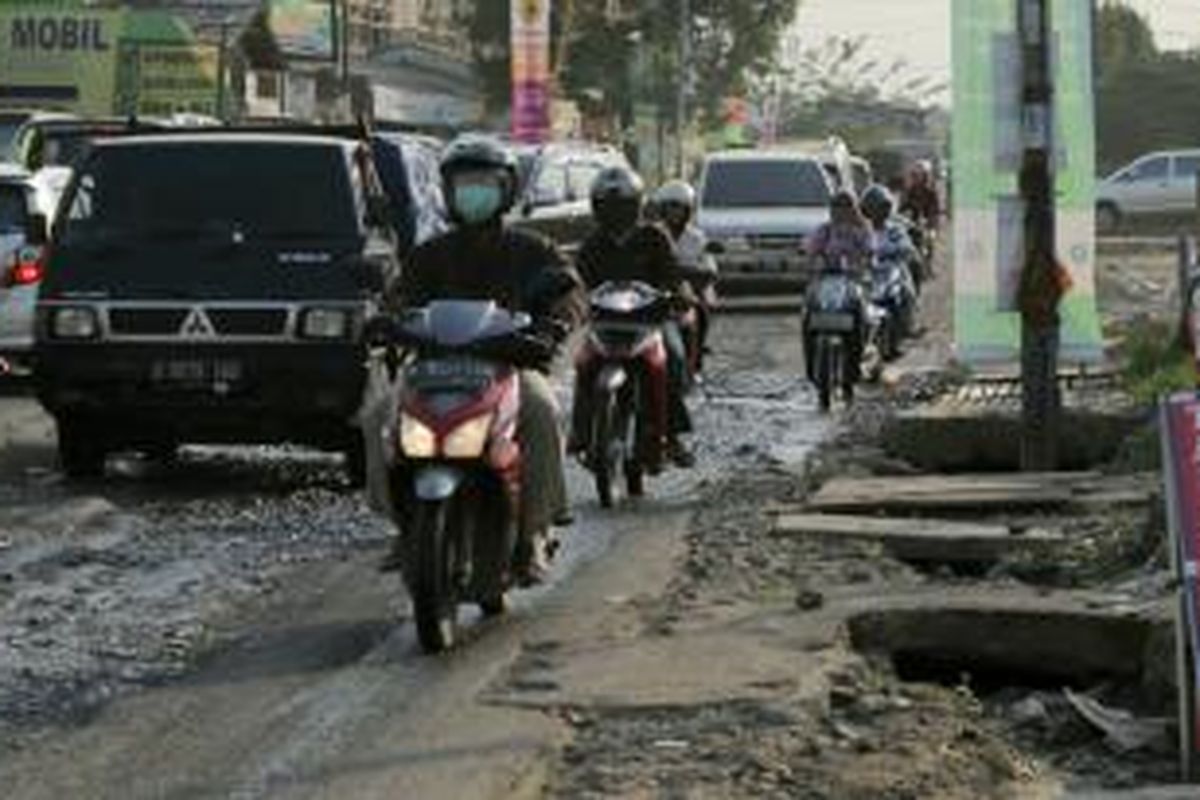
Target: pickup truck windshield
[
  {"x": 765, "y": 184},
  {"x": 239, "y": 190}
]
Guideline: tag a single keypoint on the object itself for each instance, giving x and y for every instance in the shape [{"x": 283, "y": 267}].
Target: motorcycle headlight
[
  {"x": 325, "y": 323},
  {"x": 74, "y": 323},
  {"x": 469, "y": 438},
  {"x": 417, "y": 440}
]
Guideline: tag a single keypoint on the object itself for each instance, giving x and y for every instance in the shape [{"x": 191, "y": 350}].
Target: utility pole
[
  {"x": 685, "y": 80},
  {"x": 1040, "y": 291}
]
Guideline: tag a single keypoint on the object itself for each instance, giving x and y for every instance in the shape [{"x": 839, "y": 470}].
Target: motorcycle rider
[
  {"x": 892, "y": 241},
  {"x": 842, "y": 245},
  {"x": 481, "y": 259},
  {"x": 675, "y": 206},
  {"x": 922, "y": 204},
  {"x": 624, "y": 247}
]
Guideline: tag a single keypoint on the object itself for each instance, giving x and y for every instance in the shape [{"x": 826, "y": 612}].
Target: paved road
[{"x": 317, "y": 688}]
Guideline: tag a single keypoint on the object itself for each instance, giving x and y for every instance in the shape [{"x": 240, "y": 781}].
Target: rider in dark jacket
[
  {"x": 479, "y": 259},
  {"x": 625, "y": 248}
]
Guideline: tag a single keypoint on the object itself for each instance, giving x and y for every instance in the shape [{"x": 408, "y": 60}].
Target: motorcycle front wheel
[{"x": 434, "y": 595}]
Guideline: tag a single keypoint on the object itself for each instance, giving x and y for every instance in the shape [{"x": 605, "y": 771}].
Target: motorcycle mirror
[{"x": 380, "y": 331}]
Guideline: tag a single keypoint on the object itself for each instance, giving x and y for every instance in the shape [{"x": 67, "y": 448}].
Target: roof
[
  {"x": 13, "y": 172},
  {"x": 762, "y": 155},
  {"x": 158, "y": 138}
]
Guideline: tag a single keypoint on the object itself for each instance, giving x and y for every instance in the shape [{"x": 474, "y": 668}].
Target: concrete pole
[
  {"x": 1040, "y": 332},
  {"x": 685, "y": 71}
]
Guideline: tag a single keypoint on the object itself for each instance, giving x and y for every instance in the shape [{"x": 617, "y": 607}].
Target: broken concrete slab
[
  {"x": 747, "y": 660},
  {"x": 1018, "y": 635},
  {"x": 983, "y": 432},
  {"x": 921, "y": 539}
]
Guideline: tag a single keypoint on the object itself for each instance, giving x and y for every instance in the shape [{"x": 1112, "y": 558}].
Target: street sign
[
  {"x": 990, "y": 131},
  {"x": 1180, "y": 425},
  {"x": 303, "y": 28}
]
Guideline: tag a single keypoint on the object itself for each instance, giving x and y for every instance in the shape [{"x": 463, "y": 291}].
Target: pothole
[{"x": 996, "y": 648}]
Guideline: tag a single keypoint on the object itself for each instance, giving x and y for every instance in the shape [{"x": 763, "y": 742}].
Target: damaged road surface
[{"x": 216, "y": 627}]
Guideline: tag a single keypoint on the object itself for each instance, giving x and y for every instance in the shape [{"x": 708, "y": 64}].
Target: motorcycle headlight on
[
  {"x": 469, "y": 439},
  {"x": 417, "y": 439}
]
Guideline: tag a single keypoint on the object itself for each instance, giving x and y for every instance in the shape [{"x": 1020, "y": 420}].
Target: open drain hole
[{"x": 994, "y": 649}]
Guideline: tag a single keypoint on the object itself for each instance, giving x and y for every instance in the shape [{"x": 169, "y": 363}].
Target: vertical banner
[
  {"x": 1181, "y": 456},
  {"x": 531, "y": 70},
  {"x": 988, "y": 140}
]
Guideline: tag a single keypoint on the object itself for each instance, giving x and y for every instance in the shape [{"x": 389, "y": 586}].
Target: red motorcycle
[
  {"x": 453, "y": 456},
  {"x": 623, "y": 369}
]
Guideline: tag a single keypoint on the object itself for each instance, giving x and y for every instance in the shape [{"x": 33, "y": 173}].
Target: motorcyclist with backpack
[
  {"x": 626, "y": 247},
  {"x": 675, "y": 207},
  {"x": 481, "y": 259}
]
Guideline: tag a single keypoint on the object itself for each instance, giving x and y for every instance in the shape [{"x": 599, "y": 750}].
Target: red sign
[{"x": 1181, "y": 454}]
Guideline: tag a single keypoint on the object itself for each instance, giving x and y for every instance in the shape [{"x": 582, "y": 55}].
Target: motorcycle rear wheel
[{"x": 434, "y": 596}]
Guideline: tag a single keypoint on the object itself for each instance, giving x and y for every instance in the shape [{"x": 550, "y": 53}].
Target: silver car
[
  {"x": 1156, "y": 184},
  {"x": 20, "y": 263}
]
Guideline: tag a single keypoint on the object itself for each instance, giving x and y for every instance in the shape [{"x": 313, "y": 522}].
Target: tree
[{"x": 1123, "y": 39}]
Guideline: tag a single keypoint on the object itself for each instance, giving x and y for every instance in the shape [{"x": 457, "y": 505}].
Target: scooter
[
  {"x": 452, "y": 456},
  {"x": 626, "y": 354}
]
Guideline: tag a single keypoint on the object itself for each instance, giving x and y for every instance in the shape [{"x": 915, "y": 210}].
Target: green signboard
[
  {"x": 59, "y": 56},
  {"x": 988, "y": 141},
  {"x": 64, "y": 56}
]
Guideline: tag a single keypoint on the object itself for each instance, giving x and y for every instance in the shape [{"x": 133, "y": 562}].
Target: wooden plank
[
  {"x": 919, "y": 539},
  {"x": 929, "y": 493}
]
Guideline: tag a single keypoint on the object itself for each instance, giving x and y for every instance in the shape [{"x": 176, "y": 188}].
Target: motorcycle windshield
[
  {"x": 624, "y": 298},
  {"x": 455, "y": 324},
  {"x": 834, "y": 293}
]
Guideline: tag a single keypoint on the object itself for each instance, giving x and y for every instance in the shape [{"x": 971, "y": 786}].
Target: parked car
[
  {"x": 409, "y": 170},
  {"x": 763, "y": 206},
  {"x": 22, "y": 234},
  {"x": 58, "y": 140},
  {"x": 1156, "y": 184},
  {"x": 212, "y": 288},
  {"x": 11, "y": 120},
  {"x": 556, "y": 200}
]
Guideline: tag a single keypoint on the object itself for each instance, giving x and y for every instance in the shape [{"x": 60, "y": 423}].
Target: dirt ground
[{"x": 869, "y": 733}]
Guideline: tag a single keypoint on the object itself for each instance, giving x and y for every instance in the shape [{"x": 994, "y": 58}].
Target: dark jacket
[
  {"x": 646, "y": 255},
  {"x": 519, "y": 270}
]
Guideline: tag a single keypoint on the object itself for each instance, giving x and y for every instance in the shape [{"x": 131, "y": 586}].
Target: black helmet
[
  {"x": 877, "y": 202},
  {"x": 617, "y": 195},
  {"x": 477, "y": 152}
]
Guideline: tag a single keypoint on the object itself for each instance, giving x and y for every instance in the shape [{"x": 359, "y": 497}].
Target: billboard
[
  {"x": 531, "y": 70},
  {"x": 59, "y": 57},
  {"x": 989, "y": 211},
  {"x": 177, "y": 78},
  {"x": 303, "y": 28}
]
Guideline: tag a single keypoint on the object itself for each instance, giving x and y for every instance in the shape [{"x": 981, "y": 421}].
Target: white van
[{"x": 763, "y": 206}]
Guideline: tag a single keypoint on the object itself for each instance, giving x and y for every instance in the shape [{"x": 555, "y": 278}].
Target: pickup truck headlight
[
  {"x": 325, "y": 323},
  {"x": 74, "y": 323},
  {"x": 737, "y": 244}
]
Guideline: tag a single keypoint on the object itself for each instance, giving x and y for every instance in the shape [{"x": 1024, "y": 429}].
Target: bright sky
[{"x": 920, "y": 29}]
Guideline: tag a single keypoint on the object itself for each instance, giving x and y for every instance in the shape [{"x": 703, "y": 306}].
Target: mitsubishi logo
[{"x": 197, "y": 325}]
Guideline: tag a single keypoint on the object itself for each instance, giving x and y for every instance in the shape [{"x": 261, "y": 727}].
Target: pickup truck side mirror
[{"x": 714, "y": 248}]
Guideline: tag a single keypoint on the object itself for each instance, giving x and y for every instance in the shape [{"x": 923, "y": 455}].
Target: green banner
[
  {"x": 989, "y": 212},
  {"x": 59, "y": 56}
]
